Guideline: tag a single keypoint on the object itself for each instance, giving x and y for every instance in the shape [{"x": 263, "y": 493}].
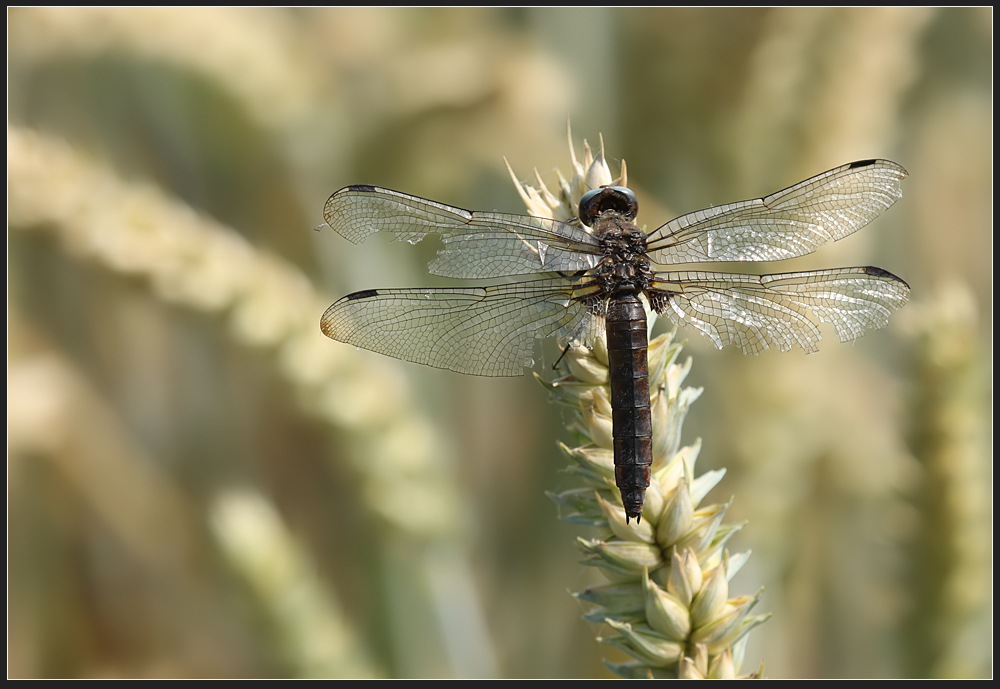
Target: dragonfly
[{"x": 590, "y": 277}]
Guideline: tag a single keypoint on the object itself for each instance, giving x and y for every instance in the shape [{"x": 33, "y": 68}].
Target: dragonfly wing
[
  {"x": 789, "y": 223},
  {"x": 476, "y": 244},
  {"x": 485, "y": 331},
  {"x": 757, "y": 312}
]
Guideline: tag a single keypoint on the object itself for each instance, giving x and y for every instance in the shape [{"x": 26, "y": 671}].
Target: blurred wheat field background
[{"x": 201, "y": 484}]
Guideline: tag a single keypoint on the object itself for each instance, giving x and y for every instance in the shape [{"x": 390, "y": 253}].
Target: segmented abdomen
[{"x": 629, "y": 373}]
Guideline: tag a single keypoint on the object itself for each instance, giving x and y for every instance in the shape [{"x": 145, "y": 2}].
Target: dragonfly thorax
[
  {"x": 609, "y": 212},
  {"x": 624, "y": 266}
]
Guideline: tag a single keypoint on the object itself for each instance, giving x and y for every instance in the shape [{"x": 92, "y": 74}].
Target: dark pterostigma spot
[
  {"x": 362, "y": 187},
  {"x": 363, "y": 294},
  {"x": 862, "y": 163},
  {"x": 882, "y": 273}
]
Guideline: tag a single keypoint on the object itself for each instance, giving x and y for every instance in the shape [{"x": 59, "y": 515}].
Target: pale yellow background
[{"x": 200, "y": 484}]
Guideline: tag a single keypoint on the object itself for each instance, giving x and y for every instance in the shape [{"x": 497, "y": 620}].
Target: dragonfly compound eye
[{"x": 597, "y": 201}]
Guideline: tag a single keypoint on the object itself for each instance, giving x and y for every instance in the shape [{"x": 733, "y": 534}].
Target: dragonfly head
[{"x": 596, "y": 202}]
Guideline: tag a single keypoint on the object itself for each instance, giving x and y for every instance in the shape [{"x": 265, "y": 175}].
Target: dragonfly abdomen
[{"x": 629, "y": 374}]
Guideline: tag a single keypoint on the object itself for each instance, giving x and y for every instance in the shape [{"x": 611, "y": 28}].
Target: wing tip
[
  {"x": 362, "y": 188},
  {"x": 878, "y": 162},
  {"x": 877, "y": 272},
  {"x": 362, "y": 294}
]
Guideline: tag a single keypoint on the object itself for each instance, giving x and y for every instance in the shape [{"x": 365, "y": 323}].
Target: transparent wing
[
  {"x": 485, "y": 331},
  {"x": 756, "y": 312},
  {"x": 476, "y": 245},
  {"x": 789, "y": 223}
]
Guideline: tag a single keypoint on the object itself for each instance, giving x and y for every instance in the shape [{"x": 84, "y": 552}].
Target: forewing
[
  {"x": 789, "y": 223},
  {"x": 486, "y": 331},
  {"x": 756, "y": 312},
  {"x": 476, "y": 244}
]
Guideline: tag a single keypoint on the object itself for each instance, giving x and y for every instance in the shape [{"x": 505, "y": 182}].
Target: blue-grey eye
[{"x": 603, "y": 199}]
